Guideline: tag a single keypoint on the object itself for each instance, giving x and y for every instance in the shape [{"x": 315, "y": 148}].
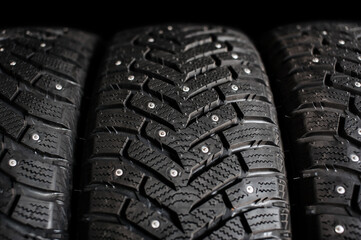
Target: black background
[{"x": 107, "y": 17}]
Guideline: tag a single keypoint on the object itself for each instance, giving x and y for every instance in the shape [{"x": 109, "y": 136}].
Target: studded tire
[
  {"x": 42, "y": 74},
  {"x": 319, "y": 85},
  {"x": 185, "y": 142}
]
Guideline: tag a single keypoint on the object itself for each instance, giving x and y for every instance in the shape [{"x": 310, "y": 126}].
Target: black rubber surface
[
  {"x": 42, "y": 74},
  {"x": 318, "y": 73},
  {"x": 166, "y": 93}
]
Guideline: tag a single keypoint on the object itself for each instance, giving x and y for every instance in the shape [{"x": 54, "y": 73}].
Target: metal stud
[
  {"x": 118, "y": 172},
  {"x": 150, "y": 40},
  {"x": 12, "y": 162},
  {"x": 250, "y": 189},
  {"x": 342, "y": 42},
  {"x": 324, "y": 33},
  {"x": 359, "y": 58},
  {"x": 339, "y": 229},
  {"x": 247, "y": 70},
  {"x": 354, "y": 157},
  {"x": 234, "y": 55},
  {"x": 160, "y": 31},
  {"x": 234, "y": 87},
  {"x": 170, "y": 28},
  {"x": 315, "y": 60},
  {"x": 43, "y": 45},
  {"x": 2, "y": 49},
  {"x": 359, "y": 131},
  {"x": 162, "y": 133},
  {"x": 58, "y": 87},
  {"x": 357, "y": 84},
  {"x": 13, "y": 63},
  {"x": 218, "y": 45},
  {"x": 151, "y": 105},
  {"x": 173, "y": 173},
  {"x": 340, "y": 190},
  {"x": 204, "y": 149},
  {"x": 155, "y": 224},
  {"x": 131, "y": 77},
  {"x": 35, "y": 137},
  {"x": 185, "y": 89},
  {"x": 214, "y": 118},
  {"x": 117, "y": 63}
]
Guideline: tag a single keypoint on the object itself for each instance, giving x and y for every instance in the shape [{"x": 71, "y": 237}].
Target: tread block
[
  {"x": 335, "y": 189},
  {"x": 113, "y": 98},
  {"x": 55, "y": 64},
  {"x": 208, "y": 80},
  {"x": 327, "y": 224},
  {"x": 121, "y": 80},
  {"x": 198, "y": 66},
  {"x": 105, "y": 171},
  {"x": 107, "y": 144},
  {"x": 46, "y": 109},
  {"x": 208, "y": 213},
  {"x": 69, "y": 91},
  {"x": 254, "y": 110},
  {"x": 156, "y": 161},
  {"x": 274, "y": 218},
  {"x": 251, "y": 134},
  {"x": 138, "y": 213},
  {"x": 328, "y": 97},
  {"x": 316, "y": 121},
  {"x": 233, "y": 229},
  {"x": 34, "y": 171},
  {"x": 19, "y": 69},
  {"x": 353, "y": 127},
  {"x": 119, "y": 119},
  {"x": 52, "y": 141},
  {"x": 264, "y": 158},
  {"x": 246, "y": 89},
  {"x": 330, "y": 153},
  {"x": 254, "y": 189},
  {"x": 99, "y": 230},
  {"x": 102, "y": 201},
  {"x": 350, "y": 68},
  {"x": 152, "y": 69},
  {"x": 226, "y": 172},
  {"x": 8, "y": 87},
  {"x": 345, "y": 82},
  {"x": 11, "y": 122},
  {"x": 162, "y": 111},
  {"x": 37, "y": 213}
]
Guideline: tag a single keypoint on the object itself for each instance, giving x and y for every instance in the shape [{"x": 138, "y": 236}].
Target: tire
[
  {"x": 42, "y": 74},
  {"x": 184, "y": 142},
  {"x": 318, "y": 71}
]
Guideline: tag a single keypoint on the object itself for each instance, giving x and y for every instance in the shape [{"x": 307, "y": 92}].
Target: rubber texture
[
  {"x": 317, "y": 68},
  {"x": 42, "y": 74},
  {"x": 184, "y": 142}
]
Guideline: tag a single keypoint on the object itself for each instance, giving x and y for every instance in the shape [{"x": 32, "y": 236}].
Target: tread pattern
[
  {"x": 318, "y": 71},
  {"x": 159, "y": 90},
  {"x": 42, "y": 74}
]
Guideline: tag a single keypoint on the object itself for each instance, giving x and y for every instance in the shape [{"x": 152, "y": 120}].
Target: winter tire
[
  {"x": 42, "y": 74},
  {"x": 184, "y": 142}
]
